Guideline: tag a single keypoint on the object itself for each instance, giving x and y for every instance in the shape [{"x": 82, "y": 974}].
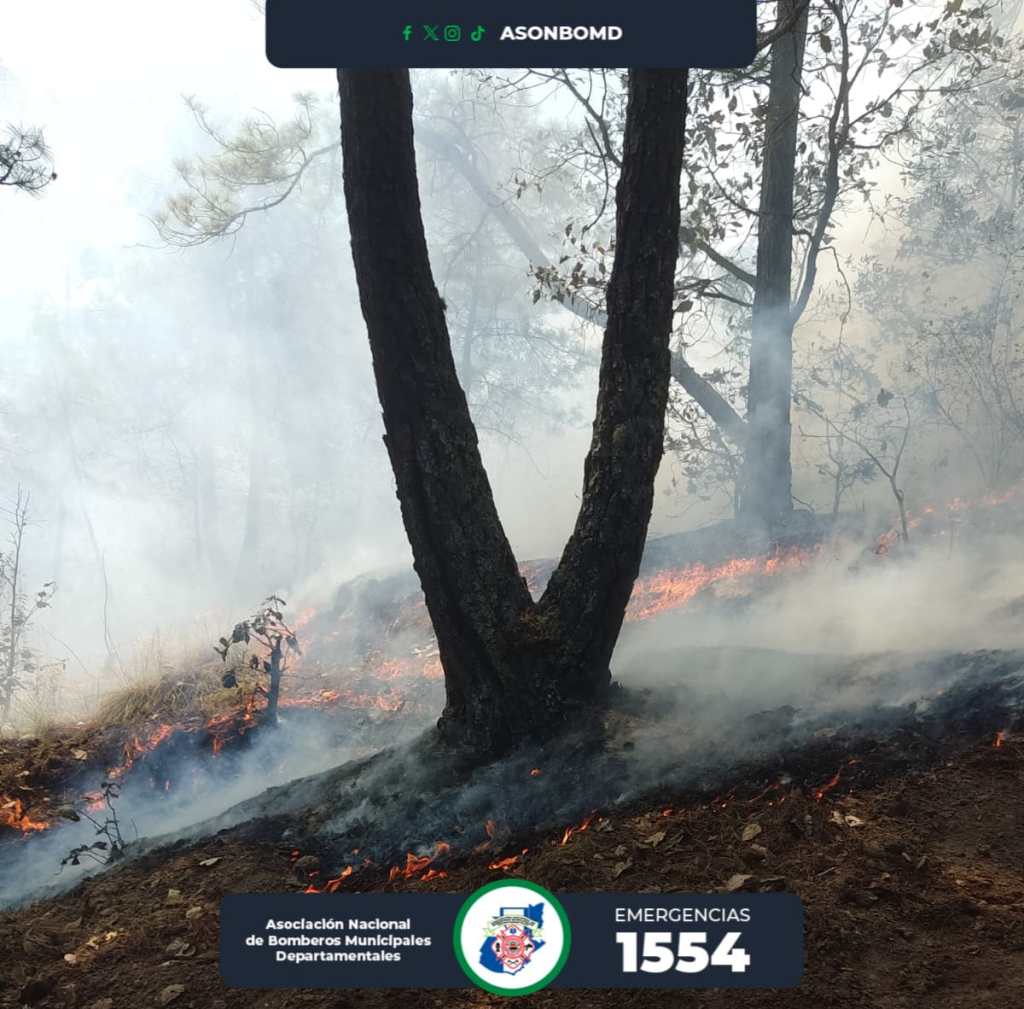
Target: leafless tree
[{"x": 17, "y": 659}]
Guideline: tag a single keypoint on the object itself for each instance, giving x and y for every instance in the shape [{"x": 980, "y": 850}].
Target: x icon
[{"x": 430, "y": 33}]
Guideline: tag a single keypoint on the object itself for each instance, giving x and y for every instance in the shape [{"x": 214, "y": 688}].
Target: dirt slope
[{"x": 913, "y": 888}]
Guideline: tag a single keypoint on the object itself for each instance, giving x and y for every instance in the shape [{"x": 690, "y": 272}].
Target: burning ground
[
  {"x": 907, "y": 854},
  {"x": 809, "y": 747}
]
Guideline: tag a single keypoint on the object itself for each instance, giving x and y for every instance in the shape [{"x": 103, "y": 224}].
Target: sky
[{"x": 107, "y": 86}]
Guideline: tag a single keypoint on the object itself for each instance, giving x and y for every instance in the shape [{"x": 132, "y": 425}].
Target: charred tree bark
[
  {"x": 513, "y": 668},
  {"x": 767, "y": 483},
  {"x": 706, "y": 396},
  {"x": 587, "y": 595}
]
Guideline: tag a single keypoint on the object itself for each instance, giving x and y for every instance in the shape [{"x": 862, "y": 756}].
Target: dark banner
[
  {"x": 530, "y": 33},
  {"x": 511, "y": 937}
]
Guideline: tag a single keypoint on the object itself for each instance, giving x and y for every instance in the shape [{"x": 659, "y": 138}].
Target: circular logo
[{"x": 512, "y": 937}]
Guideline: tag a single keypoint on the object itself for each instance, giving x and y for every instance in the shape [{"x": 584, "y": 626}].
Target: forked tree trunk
[
  {"x": 514, "y": 668},
  {"x": 767, "y": 479}
]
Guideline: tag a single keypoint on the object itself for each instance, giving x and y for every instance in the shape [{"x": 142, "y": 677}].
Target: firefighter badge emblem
[{"x": 512, "y": 937}]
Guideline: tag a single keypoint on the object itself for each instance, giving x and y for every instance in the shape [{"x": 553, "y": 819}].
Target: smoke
[
  {"x": 753, "y": 672},
  {"x": 845, "y": 600},
  {"x": 181, "y": 784}
]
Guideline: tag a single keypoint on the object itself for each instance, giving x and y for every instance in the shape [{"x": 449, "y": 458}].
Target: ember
[
  {"x": 569, "y": 831},
  {"x": 417, "y": 864},
  {"x": 820, "y": 793},
  {"x": 12, "y": 814},
  {"x": 332, "y": 884}
]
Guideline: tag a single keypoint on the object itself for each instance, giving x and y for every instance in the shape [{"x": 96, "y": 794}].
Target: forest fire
[
  {"x": 947, "y": 515},
  {"x": 13, "y": 815},
  {"x": 398, "y": 673},
  {"x": 421, "y": 866},
  {"x": 332, "y": 885},
  {"x": 820, "y": 793},
  {"x": 571, "y": 831},
  {"x": 507, "y": 863},
  {"x": 136, "y": 747},
  {"x": 670, "y": 589}
]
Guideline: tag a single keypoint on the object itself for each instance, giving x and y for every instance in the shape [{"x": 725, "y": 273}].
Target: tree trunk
[
  {"x": 513, "y": 668},
  {"x": 767, "y": 482},
  {"x": 704, "y": 394}
]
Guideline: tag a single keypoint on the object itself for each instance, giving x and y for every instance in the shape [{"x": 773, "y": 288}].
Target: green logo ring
[{"x": 551, "y": 974}]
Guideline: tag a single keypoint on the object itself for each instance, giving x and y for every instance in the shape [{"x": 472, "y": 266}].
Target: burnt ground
[
  {"x": 911, "y": 873},
  {"x": 40, "y": 773}
]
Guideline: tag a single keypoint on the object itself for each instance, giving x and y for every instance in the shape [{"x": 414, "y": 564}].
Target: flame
[
  {"x": 417, "y": 864},
  {"x": 508, "y": 863},
  {"x": 388, "y": 681},
  {"x": 820, "y": 793},
  {"x": 1000, "y": 739},
  {"x": 136, "y": 747},
  {"x": 947, "y": 513},
  {"x": 670, "y": 589},
  {"x": 12, "y": 814},
  {"x": 331, "y": 885},
  {"x": 570, "y": 831}
]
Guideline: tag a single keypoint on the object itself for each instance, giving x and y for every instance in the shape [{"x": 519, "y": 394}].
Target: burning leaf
[
  {"x": 570, "y": 831},
  {"x": 750, "y": 831},
  {"x": 332, "y": 885}
]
